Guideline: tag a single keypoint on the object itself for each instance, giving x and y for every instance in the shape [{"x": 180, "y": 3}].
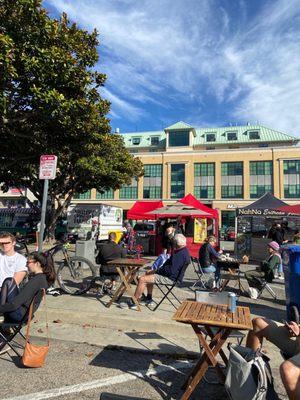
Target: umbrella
[{"x": 179, "y": 209}]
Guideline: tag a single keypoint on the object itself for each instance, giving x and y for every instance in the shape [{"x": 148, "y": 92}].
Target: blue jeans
[
  {"x": 8, "y": 292},
  {"x": 216, "y": 270}
]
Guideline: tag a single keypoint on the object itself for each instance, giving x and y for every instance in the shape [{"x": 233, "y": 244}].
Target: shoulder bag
[{"x": 34, "y": 356}]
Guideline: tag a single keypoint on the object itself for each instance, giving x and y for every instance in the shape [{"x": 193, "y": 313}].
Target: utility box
[
  {"x": 291, "y": 269},
  {"x": 86, "y": 249}
]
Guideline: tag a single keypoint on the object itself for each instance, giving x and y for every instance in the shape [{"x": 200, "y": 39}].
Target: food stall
[{"x": 191, "y": 220}]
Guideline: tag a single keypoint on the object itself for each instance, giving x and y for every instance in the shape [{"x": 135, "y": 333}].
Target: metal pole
[{"x": 43, "y": 214}]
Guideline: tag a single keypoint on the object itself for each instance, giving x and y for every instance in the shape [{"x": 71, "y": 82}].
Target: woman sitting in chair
[
  {"x": 265, "y": 271},
  {"x": 208, "y": 256},
  {"x": 14, "y": 303}
]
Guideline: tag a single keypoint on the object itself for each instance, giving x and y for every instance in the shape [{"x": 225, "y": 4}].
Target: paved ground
[{"x": 144, "y": 354}]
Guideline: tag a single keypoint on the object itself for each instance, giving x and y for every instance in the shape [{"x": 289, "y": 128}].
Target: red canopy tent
[
  {"x": 190, "y": 200},
  {"x": 140, "y": 209},
  {"x": 292, "y": 209}
]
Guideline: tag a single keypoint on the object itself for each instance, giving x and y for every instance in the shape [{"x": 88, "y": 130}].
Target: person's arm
[
  {"x": 213, "y": 252},
  {"x": 273, "y": 262},
  {"x": 19, "y": 276},
  {"x": 26, "y": 294}
]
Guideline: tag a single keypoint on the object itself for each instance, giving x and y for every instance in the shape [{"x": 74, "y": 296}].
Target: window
[
  {"x": 154, "y": 140},
  {"x": 228, "y": 219},
  {"x": 232, "y": 180},
  {"x": 179, "y": 138},
  {"x": 291, "y": 174},
  {"x": 136, "y": 141},
  {"x": 108, "y": 194},
  {"x": 231, "y": 136},
  {"x": 210, "y": 137},
  {"x": 254, "y": 135},
  {"x": 263, "y": 145},
  {"x": 152, "y": 181},
  {"x": 177, "y": 181},
  {"x": 129, "y": 191},
  {"x": 83, "y": 196},
  {"x": 261, "y": 178},
  {"x": 204, "y": 180}
]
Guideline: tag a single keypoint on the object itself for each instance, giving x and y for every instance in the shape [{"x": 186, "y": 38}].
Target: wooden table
[
  {"x": 210, "y": 315},
  {"x": 127, "y": 269},
  {"x": 232, "y": 266}
]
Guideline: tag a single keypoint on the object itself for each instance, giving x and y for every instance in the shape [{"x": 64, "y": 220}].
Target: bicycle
[
  {"x": 21, "y": 246},
  {"x": 75, "y": 275}
]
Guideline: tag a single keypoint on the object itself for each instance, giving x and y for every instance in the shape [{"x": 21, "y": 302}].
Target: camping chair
[
  {"x": 202, "y": 280},
  {"x": 169, "y": 288},
  {"x": 10, "y": 329},
  {"x": 263, "y": 284}
]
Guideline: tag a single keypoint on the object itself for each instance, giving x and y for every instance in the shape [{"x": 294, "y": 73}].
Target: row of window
[
  {"x": 182, "y": 138},
  {"x": 261, "y": 181}
]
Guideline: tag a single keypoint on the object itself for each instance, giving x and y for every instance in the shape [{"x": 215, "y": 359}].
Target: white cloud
[{"x": 164, "y": 52}]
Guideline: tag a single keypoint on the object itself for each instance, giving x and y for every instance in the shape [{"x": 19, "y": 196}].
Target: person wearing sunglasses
[{"x": 12, "y": 264}]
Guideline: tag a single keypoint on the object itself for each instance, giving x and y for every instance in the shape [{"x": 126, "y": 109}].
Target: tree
[{"x": 50, "y": 103}]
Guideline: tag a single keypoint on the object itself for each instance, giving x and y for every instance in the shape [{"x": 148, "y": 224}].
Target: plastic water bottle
[{"x": 232, "y": 302}]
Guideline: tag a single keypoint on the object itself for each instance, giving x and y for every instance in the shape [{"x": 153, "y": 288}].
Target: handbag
[{"x": 34, "y": 356}]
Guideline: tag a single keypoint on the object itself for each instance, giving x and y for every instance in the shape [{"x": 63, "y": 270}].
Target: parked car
[{"x": 229, "y": 233}]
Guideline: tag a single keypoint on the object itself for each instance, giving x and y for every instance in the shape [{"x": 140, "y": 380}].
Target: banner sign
[{"x": 266, "y": 212}]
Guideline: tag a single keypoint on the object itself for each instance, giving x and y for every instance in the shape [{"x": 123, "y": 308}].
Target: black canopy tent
[{"x": 251, "y": 222}]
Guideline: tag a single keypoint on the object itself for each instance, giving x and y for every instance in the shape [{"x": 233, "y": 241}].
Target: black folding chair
[
  {"x": 10, "y": 329},
  {"x": 169, "y": 288}
]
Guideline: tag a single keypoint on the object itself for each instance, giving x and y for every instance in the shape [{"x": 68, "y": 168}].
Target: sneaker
[
  {"x": 1, "y": 319},
  {"x": 253, "y": 293},
  {"x": 132, "y": 305},
  {"x": 147, "y": 302},
  {"x": 281, "y": 277},
  {"x": 276, "y": 276}
]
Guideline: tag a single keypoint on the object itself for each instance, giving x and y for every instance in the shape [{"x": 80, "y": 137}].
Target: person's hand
[
  {"x": 220, "y": 251},
  {"x": 293, "y": 328}
]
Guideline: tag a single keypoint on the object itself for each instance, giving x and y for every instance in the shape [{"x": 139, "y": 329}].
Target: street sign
[{"x": 48, "y": 167}]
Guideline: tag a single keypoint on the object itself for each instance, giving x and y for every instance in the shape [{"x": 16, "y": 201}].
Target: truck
[{"x": 94, "y": 221}]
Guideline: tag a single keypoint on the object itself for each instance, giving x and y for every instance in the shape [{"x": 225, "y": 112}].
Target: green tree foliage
[{"x": 50, "y": 103}]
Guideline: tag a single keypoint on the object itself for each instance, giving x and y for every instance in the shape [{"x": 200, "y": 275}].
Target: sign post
[{"x": 47, "y": 171}]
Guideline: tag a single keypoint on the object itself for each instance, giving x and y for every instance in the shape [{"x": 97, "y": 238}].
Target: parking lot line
[{"x": 114, "y": 380}]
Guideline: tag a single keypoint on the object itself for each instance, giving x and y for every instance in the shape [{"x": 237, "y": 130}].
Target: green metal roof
[
  {"x": 179, "y": 125},
  {"x": 266, "y": 135}
]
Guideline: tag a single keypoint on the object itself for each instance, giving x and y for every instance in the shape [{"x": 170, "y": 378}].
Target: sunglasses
[{"x": 5, "y": 242}]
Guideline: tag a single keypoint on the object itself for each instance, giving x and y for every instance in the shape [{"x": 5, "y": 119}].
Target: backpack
[{"x": 249, "y": 375}]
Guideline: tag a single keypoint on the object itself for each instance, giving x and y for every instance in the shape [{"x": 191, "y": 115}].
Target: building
[{"x": 224, "y": 167}]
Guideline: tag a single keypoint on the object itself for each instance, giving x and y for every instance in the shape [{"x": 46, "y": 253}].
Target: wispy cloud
[{"x": 208, "y": 59}]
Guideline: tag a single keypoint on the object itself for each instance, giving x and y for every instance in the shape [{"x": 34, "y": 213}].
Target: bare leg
[
  {"x": 255, "y": 337},
  {"x": 290, "y": 375},
  {"x": 144, "y": 281}
]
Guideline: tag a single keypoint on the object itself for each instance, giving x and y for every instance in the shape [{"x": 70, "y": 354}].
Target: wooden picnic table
[
  {"x": 210, "y": 316},
  {"x": 127, "y": 269}
]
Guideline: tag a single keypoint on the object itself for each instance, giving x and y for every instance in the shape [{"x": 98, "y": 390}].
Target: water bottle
[{"x": 232, "y": 302}]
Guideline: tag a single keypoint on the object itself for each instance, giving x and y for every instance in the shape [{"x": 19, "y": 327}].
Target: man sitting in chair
[
  {"x": 166, "y": 274},
  {"x": 108, "y": 252},
  {"x": 287, "y": 339},
  {"x": 265, "y": 271}
]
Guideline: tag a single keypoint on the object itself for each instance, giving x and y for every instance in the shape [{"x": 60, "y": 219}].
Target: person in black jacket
[{"x": 13, "y": 304}]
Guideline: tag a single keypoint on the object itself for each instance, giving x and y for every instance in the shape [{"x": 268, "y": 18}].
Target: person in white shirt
[{"x": 12, "y": 264}]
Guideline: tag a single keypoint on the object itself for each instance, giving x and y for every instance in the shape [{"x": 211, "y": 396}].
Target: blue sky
[{"x": 205, "y": 62}]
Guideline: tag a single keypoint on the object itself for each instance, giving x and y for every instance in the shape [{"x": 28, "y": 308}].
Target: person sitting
[
  {"x": 286, "y": 338},
  {"x": 166, "y": 274},
  {"x": 14, "y": 304},
  {"x": 107, "y": 252},
  {"x": 265, "y": 271},
  {"x": 208, "y": 256}
]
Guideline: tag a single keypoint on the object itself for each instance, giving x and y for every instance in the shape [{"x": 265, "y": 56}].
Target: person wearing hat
[{"x": 265, "y": 271}]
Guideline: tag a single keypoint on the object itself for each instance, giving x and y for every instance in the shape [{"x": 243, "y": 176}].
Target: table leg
[
  {"x": 221, "y": 352},
  {"x": 208, "y": 358},
  {"x": 121, "y": 289}
]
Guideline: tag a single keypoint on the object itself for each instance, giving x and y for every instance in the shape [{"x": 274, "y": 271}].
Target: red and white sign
[{"x": 48, "y": 167}]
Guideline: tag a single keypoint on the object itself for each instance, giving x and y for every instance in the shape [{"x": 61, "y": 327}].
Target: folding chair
[
  {"x": 10, "y": 329},
  {"x": 170, "y": 287},
  {"x": 202, "y": 280},
  {"x": 263, "y": 284}
]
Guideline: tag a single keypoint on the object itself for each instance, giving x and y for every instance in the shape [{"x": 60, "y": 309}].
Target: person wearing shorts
[
  {"x": 166, "y": 274},
  {"x": 287, "y": 338}
]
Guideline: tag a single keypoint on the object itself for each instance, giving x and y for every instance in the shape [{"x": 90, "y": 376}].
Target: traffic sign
[{"x": 48, "y": 167}]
